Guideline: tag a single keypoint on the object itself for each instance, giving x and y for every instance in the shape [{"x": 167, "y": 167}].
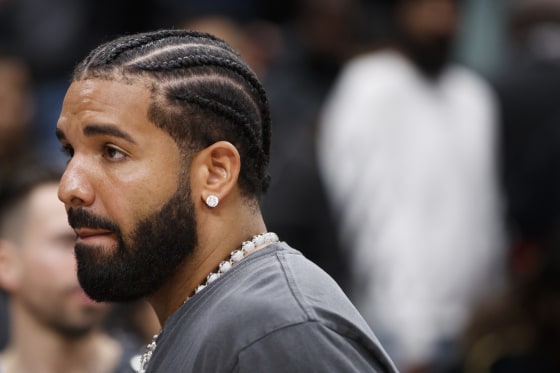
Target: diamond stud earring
[{"x": 212, "y": 201}]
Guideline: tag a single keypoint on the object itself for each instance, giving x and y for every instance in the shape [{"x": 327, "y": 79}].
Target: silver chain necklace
[{"x": 235, "y": 257}]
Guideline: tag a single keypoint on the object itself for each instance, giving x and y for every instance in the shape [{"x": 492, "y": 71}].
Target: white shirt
[{"x": 409, "y": 164}]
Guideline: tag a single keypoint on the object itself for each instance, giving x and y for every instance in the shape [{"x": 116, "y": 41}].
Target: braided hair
[{"x": 202, "y": 92}]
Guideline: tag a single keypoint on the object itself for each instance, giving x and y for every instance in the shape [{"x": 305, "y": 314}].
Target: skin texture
[{"x": 124, "y": 169}]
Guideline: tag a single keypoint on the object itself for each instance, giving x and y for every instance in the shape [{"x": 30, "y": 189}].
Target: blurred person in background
[
  {"x": 16, "y": 112},
  {"x": 407, "y": 149},
  {"x": 54, "y": 326},
  {"x": 528, "y": 85},
  {"x": 16, "y": 108},
  {"x": 314, "y": 44},
  {"x": 519, "y": 330}
]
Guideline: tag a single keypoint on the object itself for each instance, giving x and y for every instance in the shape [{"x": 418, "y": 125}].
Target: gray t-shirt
[{"x": 276, "y": 311}]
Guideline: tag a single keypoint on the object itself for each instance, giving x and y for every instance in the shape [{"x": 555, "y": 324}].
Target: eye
[{"x": 113, "y": 154}]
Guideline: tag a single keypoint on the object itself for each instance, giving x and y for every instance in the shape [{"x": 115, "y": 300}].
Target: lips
[{"x": 88, "y": 233}]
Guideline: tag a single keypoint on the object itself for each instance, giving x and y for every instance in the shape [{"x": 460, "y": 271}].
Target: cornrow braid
[
  {"x": 227, "y": 112},
  {"x": 104, "y": 55},
  {"x": 202, "y": 92},
  {"x": 233, "y": 116},
  {"x": 210, "y": 60}
]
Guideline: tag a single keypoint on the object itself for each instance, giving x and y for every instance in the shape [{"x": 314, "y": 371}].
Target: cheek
[
  {"x": 140, "y": 197},
  {"x": 129, "y": 209}
]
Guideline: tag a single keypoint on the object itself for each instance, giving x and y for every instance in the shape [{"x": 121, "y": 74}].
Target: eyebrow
[
  {"x": 99, "y": 129},
  {"x": 105, "y": 129}
]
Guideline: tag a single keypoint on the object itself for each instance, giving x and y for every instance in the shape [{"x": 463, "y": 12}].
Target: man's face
[
  {"x": 15, "y": 103},
  {"x": 48, "y": 288},
  {"x": 126, "y": 193},
  {"x": 427, "y": 30}
]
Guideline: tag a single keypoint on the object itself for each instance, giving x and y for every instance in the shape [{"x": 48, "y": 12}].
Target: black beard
[
  {"x": 430, "y": 56},
  {"x": 143, "y": 264}
]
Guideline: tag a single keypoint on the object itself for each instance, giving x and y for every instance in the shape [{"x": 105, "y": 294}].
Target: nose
[{"x": 75, "y": 189}]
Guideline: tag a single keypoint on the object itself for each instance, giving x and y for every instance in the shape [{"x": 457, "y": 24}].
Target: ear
[
  {"x": 10, "y": 265},
  {"x": 216, "y": 170}
]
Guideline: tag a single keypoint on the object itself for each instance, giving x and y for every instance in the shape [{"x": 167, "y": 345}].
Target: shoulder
[
  {"x": 312, "y": 346},
  {"x": 382, "y": 61},
  {"x": 466, "y": 80},
  {"x": 279, "y": 286},
  {"x": 374, "y": 73},
  {"x": 293, "y": 300},
  {"x": 275, "y": 294}
]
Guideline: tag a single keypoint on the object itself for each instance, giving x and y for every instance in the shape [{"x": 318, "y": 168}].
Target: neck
[
  {"x": 214, "y": 246},
  {"x": 257, "y": 242},
  {"x": 36, "y": 348}
]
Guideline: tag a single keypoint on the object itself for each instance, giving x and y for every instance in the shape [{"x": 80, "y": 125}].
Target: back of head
[{"x": 202, "y": 92}]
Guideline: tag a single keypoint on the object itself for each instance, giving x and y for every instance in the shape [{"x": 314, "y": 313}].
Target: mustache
[{"x": 80, "y": 218}]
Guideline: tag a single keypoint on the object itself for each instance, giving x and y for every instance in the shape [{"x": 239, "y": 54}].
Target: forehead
[{"x": 105, "y": 101}]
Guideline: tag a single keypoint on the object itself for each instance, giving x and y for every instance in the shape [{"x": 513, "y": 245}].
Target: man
[
  {"x": 15, "y": 121},
  {"x": 522, "y": 323},
  {"x": 168, "y": 134},
  {"x": 17, "y": 108},
  {"x": 406, "y": 149},
  {"x": 55, "y": 327}
]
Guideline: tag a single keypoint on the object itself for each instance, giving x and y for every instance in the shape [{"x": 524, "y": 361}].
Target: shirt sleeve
[{"x": 309, "y": 347}]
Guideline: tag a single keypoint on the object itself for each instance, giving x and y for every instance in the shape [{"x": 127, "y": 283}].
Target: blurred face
[
  {"x": 333, "y": 41},
  {"x": 125, "y": 191},
  {"x": 15, "y": 103},
  {"x": 427, "y": 30},
  {"x": 48, "y": 287}
]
